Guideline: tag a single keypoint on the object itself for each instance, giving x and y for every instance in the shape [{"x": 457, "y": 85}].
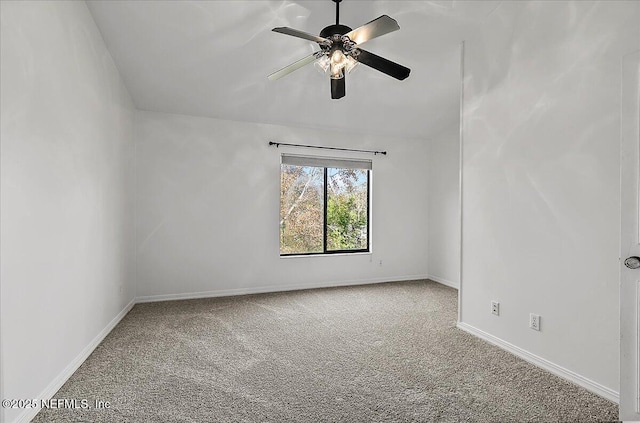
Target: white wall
[
  {"x": 541, "y": 200},
  {"x": 208, "y": 207},
  {"x": 66, "y": 206},
  {"x": 444, "y": 206}
]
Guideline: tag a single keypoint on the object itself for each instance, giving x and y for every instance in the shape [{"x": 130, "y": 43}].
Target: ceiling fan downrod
[{"x": 336, "y": 29}]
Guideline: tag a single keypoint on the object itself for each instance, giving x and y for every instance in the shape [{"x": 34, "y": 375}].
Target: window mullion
[
  {"x": 368, "y": 210},
  {"x": 324, "y": 235}
]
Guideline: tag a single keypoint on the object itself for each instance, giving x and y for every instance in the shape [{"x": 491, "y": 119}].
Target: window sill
[{"x": 361, "y": 253}]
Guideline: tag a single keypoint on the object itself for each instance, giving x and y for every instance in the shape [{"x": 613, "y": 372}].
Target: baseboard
[
  {"x": 60, "y": 380},
  {"x": 444, "y": 281},
  {"x": 543, "y": 363},
  {"x": 272, "y": 288}
]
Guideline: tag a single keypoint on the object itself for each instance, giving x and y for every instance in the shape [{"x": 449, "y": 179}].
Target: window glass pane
[
  {"x": 301, "y": 209},
  {"x": 347, "y": 209}
]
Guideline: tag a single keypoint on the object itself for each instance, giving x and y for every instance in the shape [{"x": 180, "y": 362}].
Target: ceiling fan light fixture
[
  {"x": 323, "y": 63},
  {"x": 335, "y": 64},
  {"x": 338, "y": 63},
  {"x": 337, "y": 73},
  {"x": 351, "y": 64}
]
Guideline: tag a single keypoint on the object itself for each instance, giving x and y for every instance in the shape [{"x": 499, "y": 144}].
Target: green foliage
[
  {"x": 346, "y": 223},
  {"x": 347, "y": 212}
]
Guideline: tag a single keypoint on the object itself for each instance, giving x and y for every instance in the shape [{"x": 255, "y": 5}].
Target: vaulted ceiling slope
[{"x": 212, "y": 58}]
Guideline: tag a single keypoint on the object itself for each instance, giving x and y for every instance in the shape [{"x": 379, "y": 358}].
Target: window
[{"x": 324, "y": 205}]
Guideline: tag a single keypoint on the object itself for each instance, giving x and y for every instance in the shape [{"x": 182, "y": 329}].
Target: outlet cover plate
[
  {"x": 534, "y": 321},
  {"x": 495, "y": 308}
]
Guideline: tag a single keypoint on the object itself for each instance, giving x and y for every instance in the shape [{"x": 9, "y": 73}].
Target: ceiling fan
[{"x": 340, "y": 50}]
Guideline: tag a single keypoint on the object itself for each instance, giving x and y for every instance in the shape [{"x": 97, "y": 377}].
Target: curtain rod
[{"x": 374, "y": 152}]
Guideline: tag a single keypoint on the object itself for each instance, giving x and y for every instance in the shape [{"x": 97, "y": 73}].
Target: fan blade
[
  {"x": 300, "y": 34},
  {"x": 383, "y": 65},
  {"x": 295, "y": 66},
  {"x": 338, "y": 88},
  {"x": 377, "y": 27}
]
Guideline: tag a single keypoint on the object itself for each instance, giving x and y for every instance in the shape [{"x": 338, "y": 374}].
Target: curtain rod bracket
[{"x": 374, "y": 152}]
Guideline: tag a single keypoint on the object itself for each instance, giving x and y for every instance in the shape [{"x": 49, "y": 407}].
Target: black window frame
[{"x": 324, "y": 225}]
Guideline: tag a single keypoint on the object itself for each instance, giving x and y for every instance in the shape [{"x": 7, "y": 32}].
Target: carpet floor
[{"x": 374, "y": 353}]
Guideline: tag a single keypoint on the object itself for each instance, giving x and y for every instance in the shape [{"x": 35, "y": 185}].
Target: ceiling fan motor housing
[
  {"x": 339, "y": 41},
  {"x": 334, "y": 30}
]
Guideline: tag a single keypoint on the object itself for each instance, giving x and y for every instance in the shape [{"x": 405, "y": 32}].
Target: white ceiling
[{"x": 212, "y": 58}]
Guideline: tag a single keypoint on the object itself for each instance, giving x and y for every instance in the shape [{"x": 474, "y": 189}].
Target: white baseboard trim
[
  {"x": 444, "y": 281},
  {"x": 60, "y": 380},
  {"x": 545, "y": 364},
  {"x": 272, "y": 288}
]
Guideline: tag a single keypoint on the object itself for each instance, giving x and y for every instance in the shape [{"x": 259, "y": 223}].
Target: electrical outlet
[
  {"x": 495, "y": 308},
  {"x": 534, "y": 321}
]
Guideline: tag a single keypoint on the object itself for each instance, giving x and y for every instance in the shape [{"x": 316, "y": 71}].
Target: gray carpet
[{"x": 387, "y": 352}]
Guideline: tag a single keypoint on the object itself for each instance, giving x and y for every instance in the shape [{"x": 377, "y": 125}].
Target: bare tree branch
[{"x": 295, "y": 203}]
